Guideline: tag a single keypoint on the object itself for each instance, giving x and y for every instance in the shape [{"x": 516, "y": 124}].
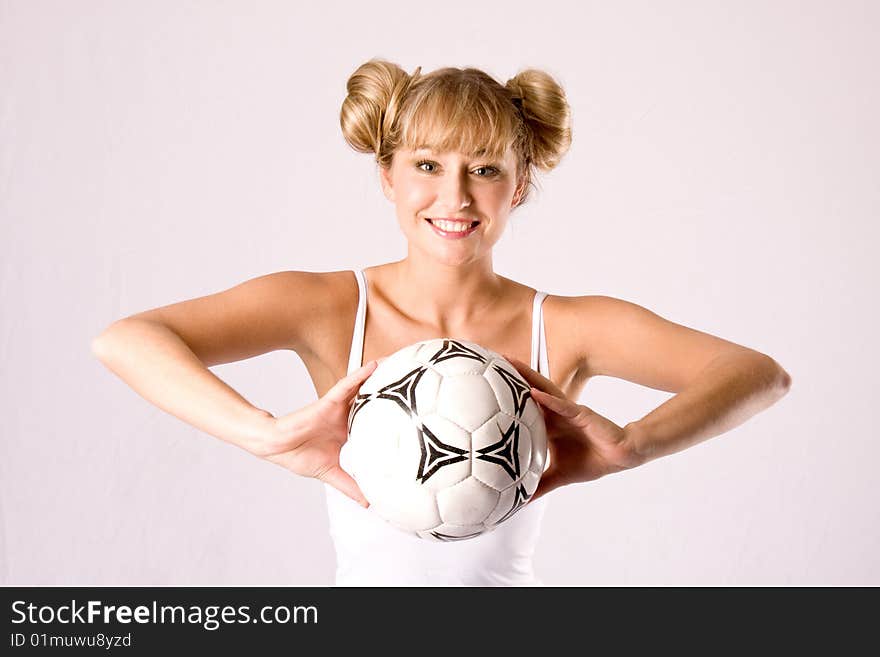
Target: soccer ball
[{"x": 445, "y": 441}]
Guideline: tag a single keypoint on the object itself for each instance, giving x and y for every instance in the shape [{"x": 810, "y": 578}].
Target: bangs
[{"x": 462, "y": 119}]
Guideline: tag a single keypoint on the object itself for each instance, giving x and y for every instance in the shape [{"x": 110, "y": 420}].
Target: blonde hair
[{"x": 457, "y": 109}]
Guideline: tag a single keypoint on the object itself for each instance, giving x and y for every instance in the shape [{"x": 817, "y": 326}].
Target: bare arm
[
  {"x": 719, "y": 384},
  {"x": 730, "y": 390},
  {"x": 157, "y": 364},
  {"x": 164, "y": 354},
  {"x": 584, "y": 445}
]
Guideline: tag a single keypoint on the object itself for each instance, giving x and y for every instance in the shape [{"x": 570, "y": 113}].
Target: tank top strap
[
  {"x": 356, "y": 353},
  {"x": 540, "y": 362}
]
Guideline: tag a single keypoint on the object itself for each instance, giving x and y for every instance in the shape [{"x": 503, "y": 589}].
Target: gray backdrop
[{"x": 723, "y": 173}]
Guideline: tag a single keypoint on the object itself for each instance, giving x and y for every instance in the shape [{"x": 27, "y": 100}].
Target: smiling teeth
[{"x": 452, "y": 226}]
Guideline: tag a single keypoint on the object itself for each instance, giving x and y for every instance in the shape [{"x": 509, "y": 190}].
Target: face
[{"x": 425, "y": 185}]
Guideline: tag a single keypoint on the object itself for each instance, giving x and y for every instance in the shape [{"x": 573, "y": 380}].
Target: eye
[{"x": 491, "y": 171}]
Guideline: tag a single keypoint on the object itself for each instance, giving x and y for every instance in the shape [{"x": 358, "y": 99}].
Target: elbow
[
  {"x": 784, "y": 384},
  {"x": 781, "y": 379},
  {"x": 102, "y": 343},
  {"x": 784, "y": 380},
  {"x": 99, "y": 347},
  {"x": 770, "y": 377}
]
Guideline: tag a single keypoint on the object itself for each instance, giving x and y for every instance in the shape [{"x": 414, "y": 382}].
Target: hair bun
[
  {"x": 546, "y": 112},
  {"x": 375, "y": 92}
]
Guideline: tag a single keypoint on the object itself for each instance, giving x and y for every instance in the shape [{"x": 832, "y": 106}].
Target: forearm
[
  {"x": 157, "y": 364},
  {"x": 728, "y": 392}
]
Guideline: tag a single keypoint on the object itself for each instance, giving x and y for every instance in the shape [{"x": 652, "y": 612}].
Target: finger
[
  {"x": 345, "y": 483},
  {"x": 348, "y": 385},
  {"x": 534, "y": 378},
  {"x": 563, "y": 407}
]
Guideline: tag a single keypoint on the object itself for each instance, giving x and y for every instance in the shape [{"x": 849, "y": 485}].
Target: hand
[
  {"x": 582, "y": 445},
  {"x": 308, "y": 441}
]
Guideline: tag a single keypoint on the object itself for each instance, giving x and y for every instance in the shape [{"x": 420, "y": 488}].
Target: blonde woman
[{"x": 456, "y": 152}]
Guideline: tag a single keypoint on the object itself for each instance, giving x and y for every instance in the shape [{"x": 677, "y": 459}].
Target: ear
[{"x": 385, "y": 181}]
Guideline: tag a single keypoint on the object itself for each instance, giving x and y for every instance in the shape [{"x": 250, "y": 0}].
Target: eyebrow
[{"x": 427, "y": 147}]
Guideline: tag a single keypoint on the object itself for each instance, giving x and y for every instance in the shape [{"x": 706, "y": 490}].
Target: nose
[{"x": 453, "y": 193}]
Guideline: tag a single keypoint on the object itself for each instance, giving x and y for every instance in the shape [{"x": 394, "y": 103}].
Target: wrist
[
  {"x": 259, "y": 433},
  {"x": 636, "y": 443}
]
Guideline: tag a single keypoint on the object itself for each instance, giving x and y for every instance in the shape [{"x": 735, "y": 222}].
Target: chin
[{"x": 454, "y": 259}]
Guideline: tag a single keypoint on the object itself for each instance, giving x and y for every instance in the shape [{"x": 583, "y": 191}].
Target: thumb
[
  {"x": 345, "y": 484},
  {"x": 344, "y": 389}
]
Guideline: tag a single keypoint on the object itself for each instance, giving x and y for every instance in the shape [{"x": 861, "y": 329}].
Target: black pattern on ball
[
  {"x": 356, "y": 405},
  {"x": 519, "y": 501},
  {"x": 436, "y": 454},
  {"x": 454, "y": 349},
  {"x": 449, "y": 537},
  {"x": 403, "y": 391},
  {"x": 505, "y": 452},
  {"x": 518, "y": 390}
]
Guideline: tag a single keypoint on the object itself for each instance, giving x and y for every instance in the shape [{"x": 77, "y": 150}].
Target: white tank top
[{"x": 370, "y": 552}]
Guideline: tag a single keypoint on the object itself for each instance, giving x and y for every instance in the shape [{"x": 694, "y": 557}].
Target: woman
[{"x": 456, "y": 152}]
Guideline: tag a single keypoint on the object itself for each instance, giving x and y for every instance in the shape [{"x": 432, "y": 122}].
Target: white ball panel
[
  {"x": 405, "y": 460},
  {"x": 467, "y": 400},
  {"x": 426, "y": 392},
  {"x": 347, "y": 459},
  {"x": 427, "y": 349},
  {"x": 467, "y": 503},
  {"x": 459, "y": 366},
  {"x": 394, "y": 367},
  {"x": 447, "y": 431},
  {"x": 524, "y": 448},
  {"x": 500, "y": 386},
  {"x": 530, "y": 482},
  {"x": 373, "y": 440},
  {"x": 504, "y": 504},
  {"x": 531, "y": 414},
  {"x": 538, "y": 433},
  {"x": 418, "y": 513},
  {"x": 374, "y": 484}
]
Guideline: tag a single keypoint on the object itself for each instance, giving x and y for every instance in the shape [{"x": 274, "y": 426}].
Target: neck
[{"x": 445, "y": 296}]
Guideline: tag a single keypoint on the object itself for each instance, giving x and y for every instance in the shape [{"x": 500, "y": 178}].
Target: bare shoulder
[
  {"x": 315, "y": 303},
  {"x": 333, "y": 303},
  {"x": 619, "y": 338},
  {"x": 278, "y": 311}
]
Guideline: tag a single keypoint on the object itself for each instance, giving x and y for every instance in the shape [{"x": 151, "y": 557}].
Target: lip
[{"x": 451, "y": 235}]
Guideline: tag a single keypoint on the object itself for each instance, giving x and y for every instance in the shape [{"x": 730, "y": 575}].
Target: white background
[{"x": 723, "y": 173}]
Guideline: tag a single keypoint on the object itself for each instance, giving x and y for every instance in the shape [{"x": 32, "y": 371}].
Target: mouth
[{"x": 453, "y": 229}]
